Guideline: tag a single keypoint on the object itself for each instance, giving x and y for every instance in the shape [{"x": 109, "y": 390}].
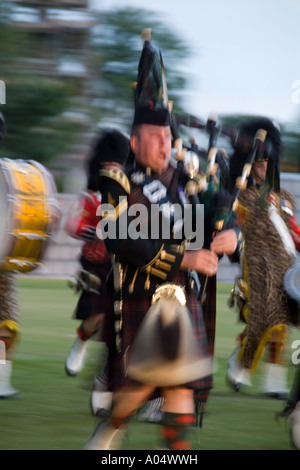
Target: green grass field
[{"x": 52, "y": 410}]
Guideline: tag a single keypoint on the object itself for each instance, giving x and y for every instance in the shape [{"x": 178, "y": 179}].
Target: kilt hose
[
  {"x": 133, "y": 313},
  {"x": 209, "y": 316},
  {"x": 91, "y": 303}
]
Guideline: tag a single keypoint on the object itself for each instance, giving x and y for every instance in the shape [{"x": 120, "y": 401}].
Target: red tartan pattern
[
  {"x": 169, "y": 432},
  {"x": 135, "y": 309},
  {"x": 185, "y": 419},
  {"x": 209, "y": 316},
  {"x": 81, "y": 216},
  {"x": 181, "y": 445}
]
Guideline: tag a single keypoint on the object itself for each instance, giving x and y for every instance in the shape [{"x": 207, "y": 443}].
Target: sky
[{"x": 245, "y": 56}]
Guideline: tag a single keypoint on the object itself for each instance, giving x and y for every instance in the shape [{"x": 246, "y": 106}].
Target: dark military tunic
[{"x": 148, "y": 261}]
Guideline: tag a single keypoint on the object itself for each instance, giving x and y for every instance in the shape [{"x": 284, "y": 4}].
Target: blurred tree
[
  {"x": 116, "y": 46},
  {"x": 290, "y": 161},
  {"x": 36, "y": 128},
  {"x": 36, "y": 104}
]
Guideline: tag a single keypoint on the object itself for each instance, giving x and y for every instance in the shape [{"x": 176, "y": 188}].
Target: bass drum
[
  {"x": 291, "y": 283},
  {"x": 29, "y": 213}
]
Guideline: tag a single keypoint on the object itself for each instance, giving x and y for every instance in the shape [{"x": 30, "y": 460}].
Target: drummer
[
  {"x": 142, "y": 267},
  {"x": 9, "y": 319},
  {"x": 266, "y": 213},
  {"x": 22, "y": 251}
]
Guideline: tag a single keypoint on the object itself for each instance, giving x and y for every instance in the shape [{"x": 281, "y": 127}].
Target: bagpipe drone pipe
[{"x": 212, "y": 187}]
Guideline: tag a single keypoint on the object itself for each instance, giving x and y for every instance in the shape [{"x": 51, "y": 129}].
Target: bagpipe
[
  {"x": 208, "y": 168},
  {"x": 211, "y": 171},
  {"x": 203, "y": 186},
  {"x": 227, "y": 202},
  {"x": 163, "y": 349}
]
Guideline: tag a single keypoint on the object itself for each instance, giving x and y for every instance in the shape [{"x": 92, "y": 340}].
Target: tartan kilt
[
  {"x": 209, "y": 316},
  {"x": 90, "y": 303},
  {"x": 133, "y": 314}
]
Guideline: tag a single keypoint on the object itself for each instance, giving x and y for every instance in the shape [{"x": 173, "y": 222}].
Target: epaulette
[{"x": 117, "y": 175}]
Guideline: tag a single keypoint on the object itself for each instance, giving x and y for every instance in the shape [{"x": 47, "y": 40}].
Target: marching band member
[
  {"x": 209, "y": 297},
  {"x": 266, "y": 215},
  {"x": 112, "y": 147},
  {"x": 9, "y": 319},
  {"x": 149, "y": 276},
  {"x": 214, "y": 179}
]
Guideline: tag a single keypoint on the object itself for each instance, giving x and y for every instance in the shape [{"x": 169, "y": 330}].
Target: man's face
[
  {"x": 259, "y": 170},
  {"x": 152, "y": 146}
]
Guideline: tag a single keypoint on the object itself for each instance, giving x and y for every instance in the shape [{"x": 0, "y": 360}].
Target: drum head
[
  {"x": 291, "y": 282},
  {"x": 29, "y": 212}
]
